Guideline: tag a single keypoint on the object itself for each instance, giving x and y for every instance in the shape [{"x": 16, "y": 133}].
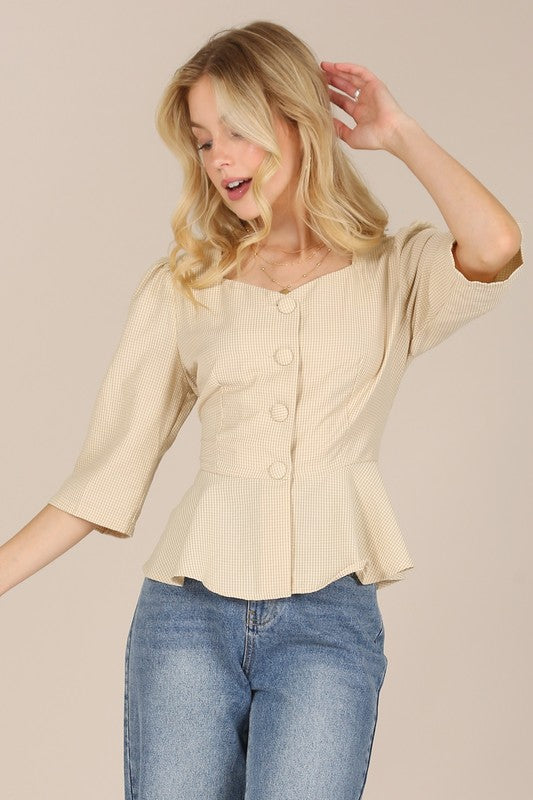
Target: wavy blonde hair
[{"x": 258, "y": 71}]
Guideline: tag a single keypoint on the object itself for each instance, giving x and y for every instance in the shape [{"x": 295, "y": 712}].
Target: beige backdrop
[{"x": 88, "y": 191}]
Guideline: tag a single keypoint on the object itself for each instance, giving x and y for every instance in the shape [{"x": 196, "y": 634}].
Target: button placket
[{"x": 280, "y": 411}]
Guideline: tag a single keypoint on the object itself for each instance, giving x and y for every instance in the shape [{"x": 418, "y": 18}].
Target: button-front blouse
[{"x": 293, "y": 393}]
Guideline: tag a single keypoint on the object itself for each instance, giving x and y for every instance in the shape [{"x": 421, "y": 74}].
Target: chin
[{"x": 246, "y": 217}]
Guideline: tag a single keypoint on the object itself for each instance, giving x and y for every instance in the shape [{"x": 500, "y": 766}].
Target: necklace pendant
[{"x": 284, "y": 291}]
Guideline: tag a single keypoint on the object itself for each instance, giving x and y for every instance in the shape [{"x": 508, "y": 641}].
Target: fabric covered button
[
  {"x": 277, "y": 469},
  {"x": 284, "y": 355},
  {"x": 286, "y": 304},
  {"x": 279, "y": 412}
]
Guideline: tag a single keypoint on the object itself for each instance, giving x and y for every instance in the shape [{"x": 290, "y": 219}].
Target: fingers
[
  {"x": 348, "y": 86},
  {"x": 348, "y": 69},
  {"x": 346, "y": 103},
  {"x": 342, "y": 130},
  {"x": 345, "y": 81}
]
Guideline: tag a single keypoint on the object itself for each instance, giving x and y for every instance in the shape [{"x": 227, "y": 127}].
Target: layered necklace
[{"x": 286, "y": 289}]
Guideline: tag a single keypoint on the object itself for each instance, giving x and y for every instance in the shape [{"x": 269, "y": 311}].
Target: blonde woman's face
[{"x": 226, "y": 155}]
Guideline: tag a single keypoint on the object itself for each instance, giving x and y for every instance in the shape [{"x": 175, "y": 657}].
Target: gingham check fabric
[{"x": 293, "y": 393}]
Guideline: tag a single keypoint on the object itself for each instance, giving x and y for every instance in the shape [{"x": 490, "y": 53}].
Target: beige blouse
[{"x": 293, "y": 393}]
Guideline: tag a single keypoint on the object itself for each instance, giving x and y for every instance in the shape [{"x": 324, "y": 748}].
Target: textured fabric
[
  {"x": 293, "y": 392},
  {"x": 233, "y": 699}
]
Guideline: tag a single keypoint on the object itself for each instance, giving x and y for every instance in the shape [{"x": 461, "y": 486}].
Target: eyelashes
[{"x": 207, "y": 145}]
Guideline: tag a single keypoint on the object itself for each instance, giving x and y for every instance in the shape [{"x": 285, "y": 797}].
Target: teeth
[{"x": 233, "y": 184}]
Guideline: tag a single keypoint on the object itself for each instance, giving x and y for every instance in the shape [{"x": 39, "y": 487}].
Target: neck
[
  {"x": 287, "y": 242},
  {"x": 289, "y": 233}
]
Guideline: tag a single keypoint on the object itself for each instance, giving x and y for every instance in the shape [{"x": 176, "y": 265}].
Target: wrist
[{"x": 402, "y": 132}]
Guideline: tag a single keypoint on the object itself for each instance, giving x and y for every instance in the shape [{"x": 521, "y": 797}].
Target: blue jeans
[{"x": 234, "y": 699}]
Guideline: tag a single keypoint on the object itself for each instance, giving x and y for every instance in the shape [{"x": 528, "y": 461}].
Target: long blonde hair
[{"x": 258, "y": 71}]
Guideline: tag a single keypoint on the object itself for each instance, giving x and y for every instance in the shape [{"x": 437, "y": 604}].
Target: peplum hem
[{"x": 234, "y": 534}]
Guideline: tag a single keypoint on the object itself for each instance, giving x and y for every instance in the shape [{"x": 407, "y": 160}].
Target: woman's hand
[
  {"x": 487, "y": 236},
  {"x": 376, "y": 112}
]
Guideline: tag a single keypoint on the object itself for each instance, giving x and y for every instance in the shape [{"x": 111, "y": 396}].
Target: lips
[
  {"x": 232, "y": 180},
  {"x": 239, "y": 191}
]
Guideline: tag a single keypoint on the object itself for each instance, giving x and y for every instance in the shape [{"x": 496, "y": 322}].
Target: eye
[{"x": 207, "y": 145}]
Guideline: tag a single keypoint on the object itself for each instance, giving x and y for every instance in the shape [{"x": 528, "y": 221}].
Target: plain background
[{"x": 88, "y": 191}]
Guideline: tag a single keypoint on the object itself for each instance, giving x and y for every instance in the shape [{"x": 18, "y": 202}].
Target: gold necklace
[
  {"x": 289, "y": 252},
  {"x": 286, "y": 289},
  {"x": 284, "y": 264},
  {"x": 293, "y": 252}
]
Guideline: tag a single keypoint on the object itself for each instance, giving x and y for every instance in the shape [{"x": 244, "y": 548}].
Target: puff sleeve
[
  {"x": 439, "y": 298},
  {"x": 142, "y": 403}
]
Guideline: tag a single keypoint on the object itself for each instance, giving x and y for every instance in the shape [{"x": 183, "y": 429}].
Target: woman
[{"x": 255, "y": 656}]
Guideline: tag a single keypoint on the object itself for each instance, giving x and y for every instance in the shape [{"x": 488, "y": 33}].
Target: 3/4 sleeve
[
  {"x": 439, "y": 298},
  {"x": 142, "y": 403}
]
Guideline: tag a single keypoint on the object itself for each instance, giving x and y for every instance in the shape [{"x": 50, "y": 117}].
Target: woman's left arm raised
[{"x": 486, "y": 235}]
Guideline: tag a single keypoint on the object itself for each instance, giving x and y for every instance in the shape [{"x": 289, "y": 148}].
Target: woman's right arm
[
  {"x": 45, "y": 537},
  {"x": 143, "y": 400}
]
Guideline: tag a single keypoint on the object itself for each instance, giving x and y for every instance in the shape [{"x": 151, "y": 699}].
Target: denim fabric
[{"x": 234, "y": 699}]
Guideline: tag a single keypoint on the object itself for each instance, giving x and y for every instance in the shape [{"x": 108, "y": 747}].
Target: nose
[
  {"x": 221, "y": 160},
  {"x": 220, "y": 153}
]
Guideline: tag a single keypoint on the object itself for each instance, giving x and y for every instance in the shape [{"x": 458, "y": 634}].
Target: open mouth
[{"x": 235, "y": 192}]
